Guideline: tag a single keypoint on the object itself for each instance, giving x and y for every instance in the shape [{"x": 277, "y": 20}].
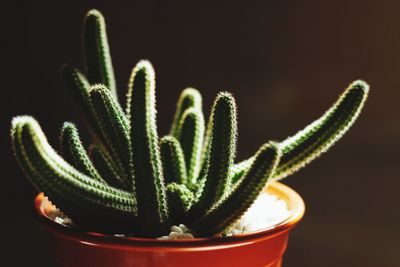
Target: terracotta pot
[{"x": 74, "y": 248}]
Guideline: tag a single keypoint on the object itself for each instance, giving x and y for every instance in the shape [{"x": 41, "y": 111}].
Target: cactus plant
[{"x": 132, "y": 181}]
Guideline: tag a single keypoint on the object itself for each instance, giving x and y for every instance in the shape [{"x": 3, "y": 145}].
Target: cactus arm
[
  {"x": 191, "y": 132},
  {"x": 204, "y": 154},
  {"x": 180, "y": 199},
  {"x": 189, "y": 98},
  {"x": 79, "y": 88},
  {"x": 65, "y": 150},
  {"x": 238, "y": 170},
  {"x": 150, "y": 188},
  {"x": 72, "y": 191},
  {"x": 72, "y": 146},
  {"x": 97, "y": 58},
  {"x": 173, "y": 161},
  {"x": 230, "y": 209},
  {"x": 315, "y": 139},
  {"x": 104, "y": 165},
  {"x": 319, "y": 136},
  {"x": 221, "y": 153},
  {"x": 114, "y": 129}
]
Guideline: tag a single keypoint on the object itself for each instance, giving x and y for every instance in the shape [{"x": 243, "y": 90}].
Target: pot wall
[{"x": 70, "y": 253}]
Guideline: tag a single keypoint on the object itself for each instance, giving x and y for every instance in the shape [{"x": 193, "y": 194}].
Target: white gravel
[
  {"x": 266, "y": 211},
  {"x": 55, "y": 214},
  {"x": 178, "y": 232}
]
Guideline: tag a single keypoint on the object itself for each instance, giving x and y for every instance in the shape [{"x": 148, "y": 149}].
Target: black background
[{"x": 285, "y": 62}]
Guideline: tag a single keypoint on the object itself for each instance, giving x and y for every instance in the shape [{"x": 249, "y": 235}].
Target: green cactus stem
[
  {"x": 106, "y": 168},
  {"x": 189, "y": 98},
  {"x": 150, "y": 188},
  {"x": 97, "y": 58},
  {"x": 238, "y": 170},
  {"x": 114, "y": 128},
  {"x": 79, "y": 88},
  {"x": 72, "y": 148},
  {"x": 180, "y": 199},
  {"x": 75, "y": 193},
  {"x": 230, "y": 209},
  {"x": 220, "y": 153},
  {"x": 191, "y": 132},
  {"x": 173, "y": 161},
  {"x": 315, "y": 139}
]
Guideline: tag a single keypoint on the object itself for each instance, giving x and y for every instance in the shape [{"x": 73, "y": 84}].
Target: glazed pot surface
[{"x": 74, "y": 248}]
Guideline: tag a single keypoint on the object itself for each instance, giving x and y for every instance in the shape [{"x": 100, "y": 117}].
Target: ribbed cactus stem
[
  {"x": 79, "y": 88},
  {"x": 221, "y": 152},
  {"x": 74, "y": 192},
  {"x": 180, "y": 199},
  {"x": 114, "y": 129},
  {"x": 97, "y": 58},
  {"x": 73, "y": 149},
  {"x": 191, "y": 132},
  {"x": 315, "y": 139},
  {"x": 173, "y": 161},
  {"x": 319, "y": 136},
  {"x": 189, "y": 98},
  {"x": 106, "y": 168},
  {"x": 230, "y": 209},
  {"x": 141, "y": 112},
  {"x": 238, "y": 170}
]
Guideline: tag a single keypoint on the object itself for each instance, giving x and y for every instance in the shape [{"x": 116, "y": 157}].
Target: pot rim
[{"x": 292, "y": 198}]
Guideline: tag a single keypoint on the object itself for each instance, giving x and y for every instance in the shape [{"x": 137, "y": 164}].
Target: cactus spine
[{"x": 131, "y": 180}]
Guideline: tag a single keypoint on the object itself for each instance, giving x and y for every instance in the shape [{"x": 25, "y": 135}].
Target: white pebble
[{"x": 265, "y": 212}]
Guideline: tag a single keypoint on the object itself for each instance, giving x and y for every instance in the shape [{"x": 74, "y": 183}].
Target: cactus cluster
[{"x": 132, "y": 181}]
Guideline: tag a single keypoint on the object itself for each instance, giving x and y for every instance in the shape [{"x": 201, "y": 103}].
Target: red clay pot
[{"x": 74, "y": 248}]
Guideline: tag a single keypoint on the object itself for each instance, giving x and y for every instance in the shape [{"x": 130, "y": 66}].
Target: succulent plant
[{"x": 132, "y": 181}]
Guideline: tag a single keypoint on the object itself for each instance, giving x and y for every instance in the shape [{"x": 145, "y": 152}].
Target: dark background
[{"x": 285, "y": 61}]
